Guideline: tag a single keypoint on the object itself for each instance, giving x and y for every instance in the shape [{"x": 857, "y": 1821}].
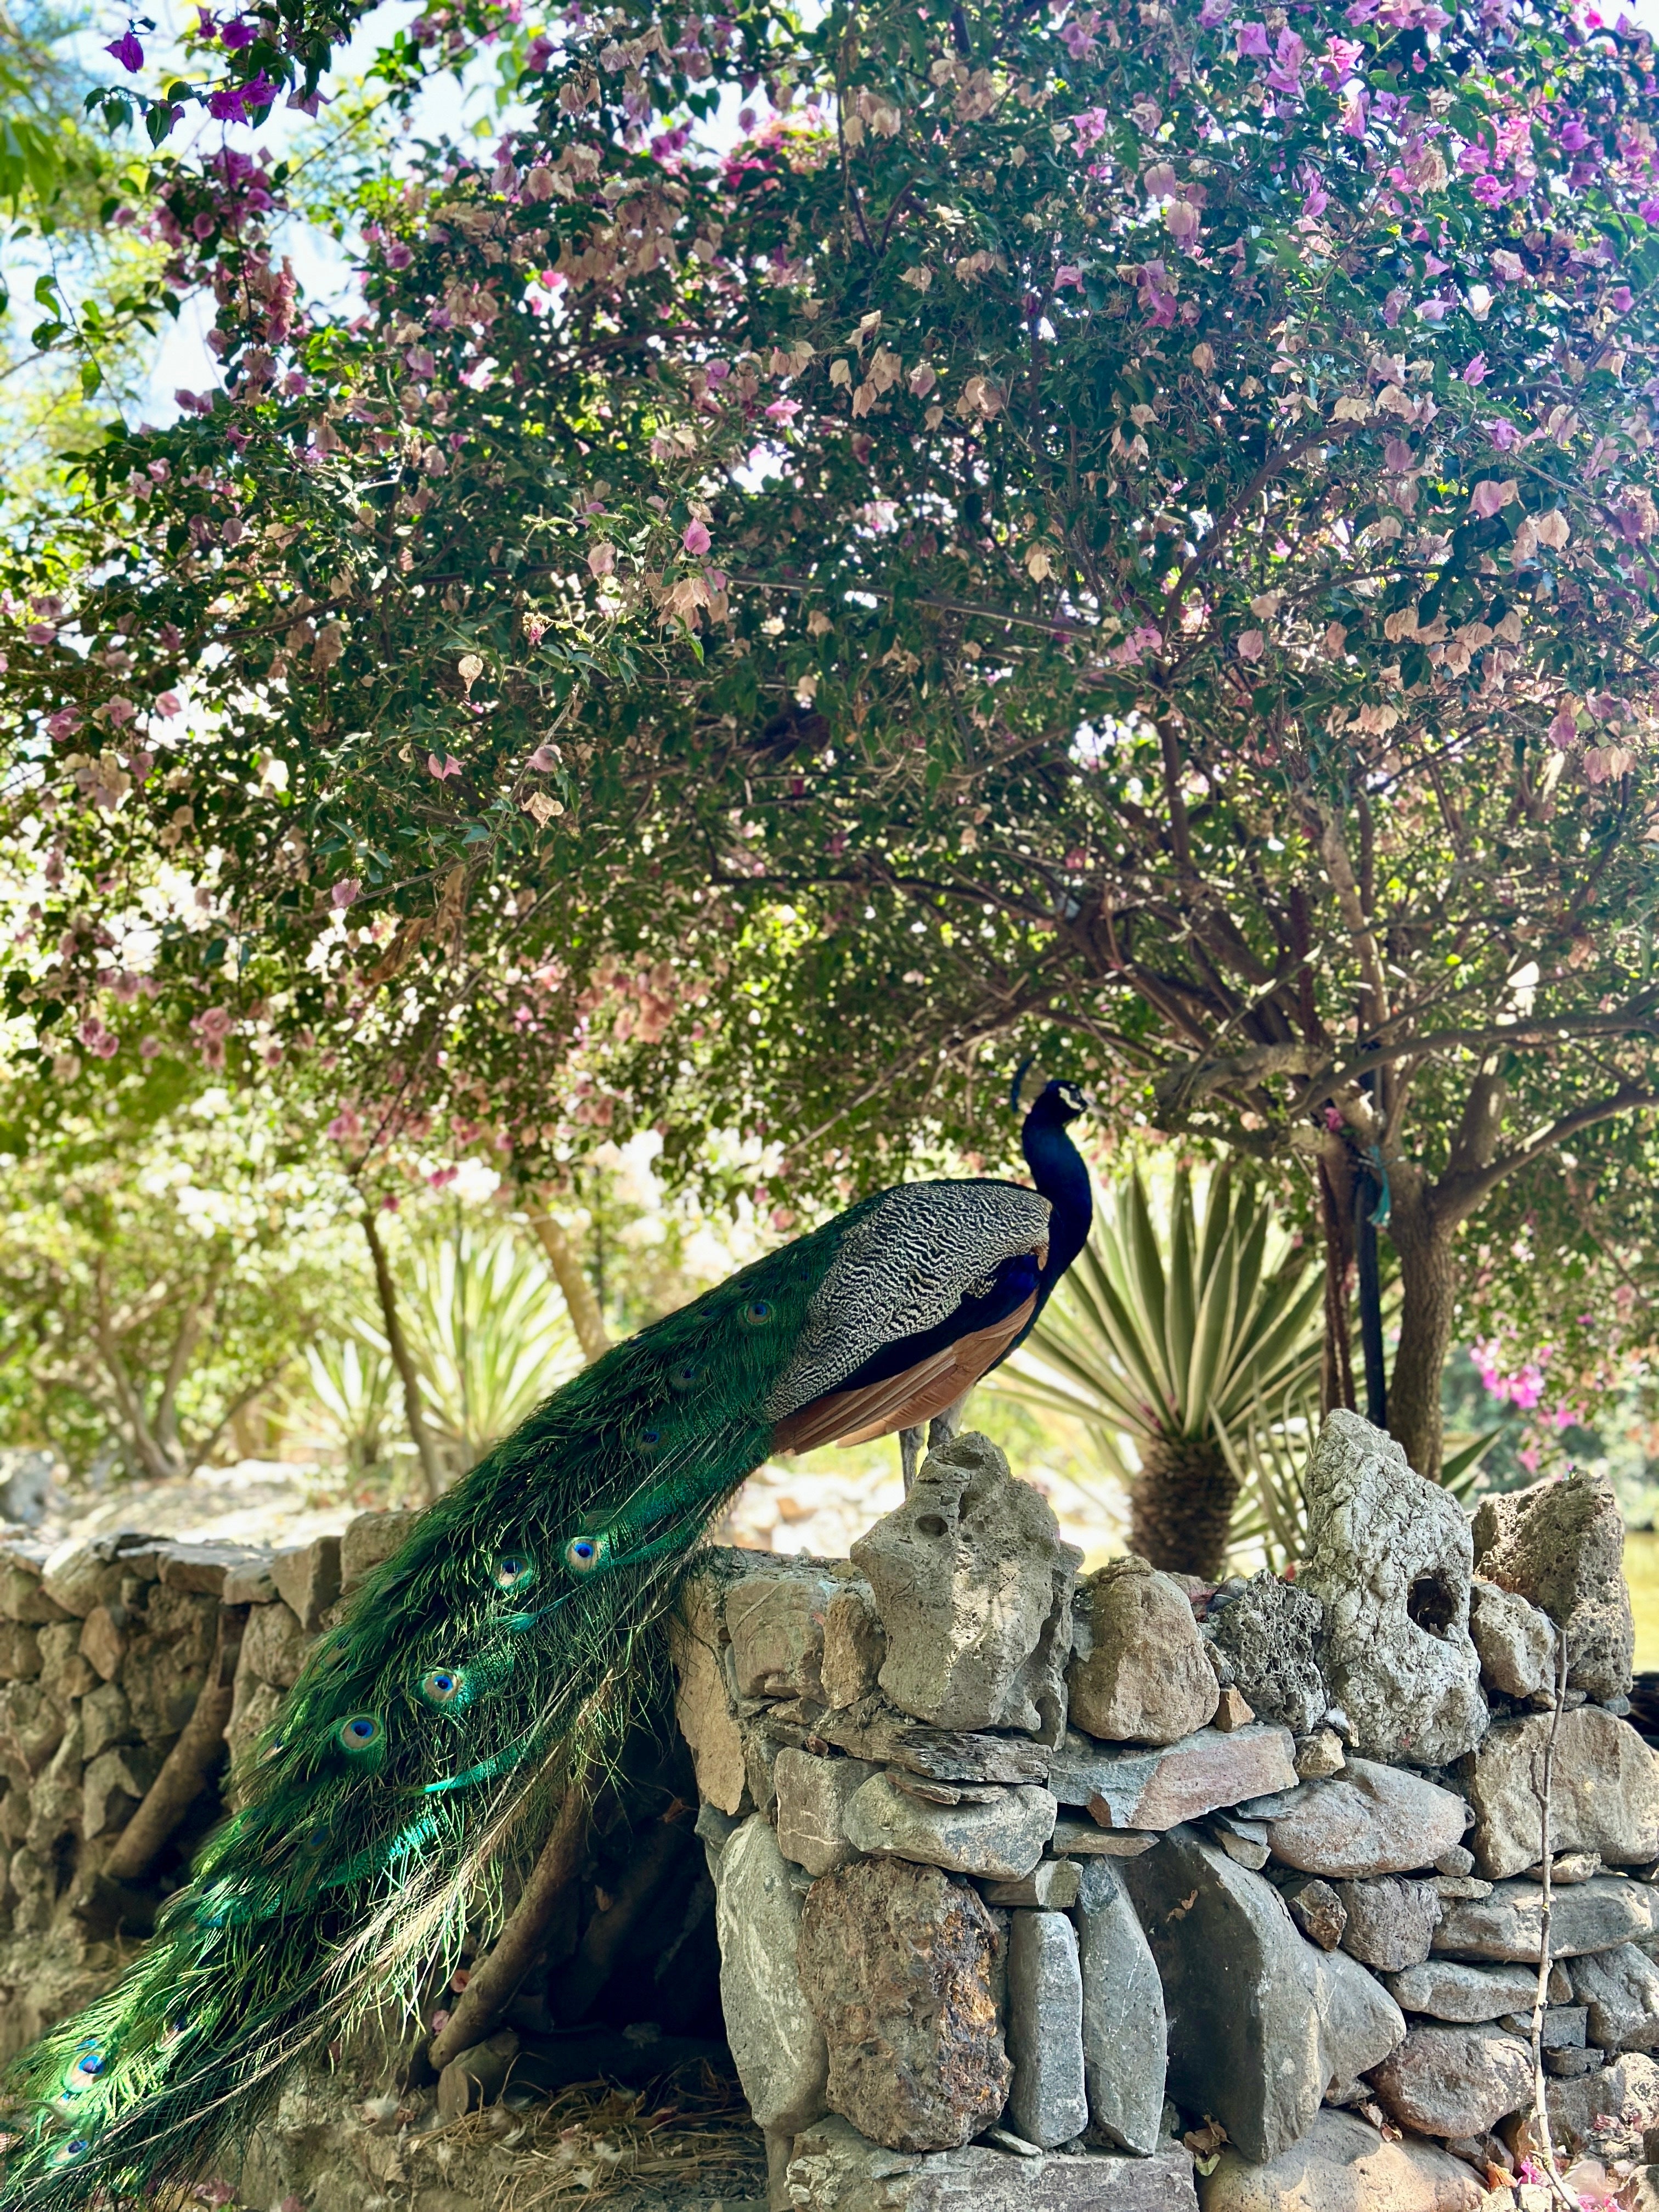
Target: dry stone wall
[{"x": 1062, "y": 1880}]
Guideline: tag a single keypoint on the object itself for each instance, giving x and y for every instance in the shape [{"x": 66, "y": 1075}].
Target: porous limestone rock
[
  {"x": 1516, "y": 1642},
  {"x": 1164, "y": 1785},
  {"x": 702, "y": 1698},
  {"x": 1449, "y": 1990},
  {"x": 1369, "y": 1820},
  {"x": 1561, "y": 1546},
  {"x": 1390, "y": 1922},
  {"x": 974, "y": 1587},
  {"x": 1343, "y": 2165},
  {"x": 775, "y": 1618},
  {"x": 308, "y": 1579},
  {"x": 993, "y": 1831},
  {"x": 1604, "y": 1791},
  {"x": 1594, "y": 1916},
  {"x": 1389, "y": 1559},
  {"x": 854, "y": 1646},
  {"x": 896, "y": 1962},
  {"x": 1454, "y": 2080},
  {"x": 1046, "y": 2101},
  {"x": 1619, "y": 1989},
  {"x": 834, "y": 2169},
  {"x": 1139, "y": 1671},
  {"x": 1269, "y": 1634},
  {"x": 1124, "y": 2030},
  {"x": 777, "y": 2045},
  {"x": 812, "y": 1796},
  {"x": 274, "y": 1646},
  {"x": 367, "y": 1541}
]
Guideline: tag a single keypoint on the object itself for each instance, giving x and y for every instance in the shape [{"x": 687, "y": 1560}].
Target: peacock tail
[{"x": 432, "y": 1733}]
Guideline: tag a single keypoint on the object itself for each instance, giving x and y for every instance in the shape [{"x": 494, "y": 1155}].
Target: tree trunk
[
  {"x": 403, "y": 1359},
  {"x": 580, "y": 1301},
  {"x": 1428, "y": 1284},
  {"x": 1182, "y": 1506}
]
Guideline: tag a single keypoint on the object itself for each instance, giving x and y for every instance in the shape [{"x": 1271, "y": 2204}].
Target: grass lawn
[{"x": 1642, "y": 1571}]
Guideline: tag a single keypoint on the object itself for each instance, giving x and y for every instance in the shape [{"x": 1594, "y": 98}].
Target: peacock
[{"x": 433, "y": 1731}]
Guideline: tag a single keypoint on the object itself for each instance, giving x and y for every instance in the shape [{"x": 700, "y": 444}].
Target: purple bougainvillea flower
[{"x": 127, "y": 51}]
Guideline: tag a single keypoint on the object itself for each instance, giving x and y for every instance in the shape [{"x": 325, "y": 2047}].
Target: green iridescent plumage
[{"x": 428, "y": 1740}]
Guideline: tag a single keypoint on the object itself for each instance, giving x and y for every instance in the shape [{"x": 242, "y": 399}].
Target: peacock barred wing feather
[{"x": 432, "y": 1734}]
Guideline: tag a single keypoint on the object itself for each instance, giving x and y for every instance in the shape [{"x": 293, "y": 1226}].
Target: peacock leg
[
  {"x": 943, "y": 1427},
  {"x": 910, "y": 1444}
]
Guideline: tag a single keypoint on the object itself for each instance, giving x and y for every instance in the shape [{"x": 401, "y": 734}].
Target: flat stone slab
[
  {"x": 1000, "y": 1835},
  {"x": 1448, "y": 1989},
  {"x": 1368, "y": 1819},
  {"x": 834, "y": 2169},
  {"x": 1592, "y": 1915},
  {"x": 1162, "y": 1787},
  {"x": 1342, "y": 2165},
  {"x": 875, "y": 1730},
  {"x": 1455, "y": 2081}
]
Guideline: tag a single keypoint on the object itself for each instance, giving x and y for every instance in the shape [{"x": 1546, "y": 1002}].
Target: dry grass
[{"x": 594, "y": 2144}]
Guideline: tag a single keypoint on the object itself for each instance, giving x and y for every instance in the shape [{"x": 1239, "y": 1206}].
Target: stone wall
[{"x": 1060, "y": 1893}]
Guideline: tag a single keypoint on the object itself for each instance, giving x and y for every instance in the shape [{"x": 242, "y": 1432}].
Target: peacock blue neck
[{"x": 1058, "y": 1170}]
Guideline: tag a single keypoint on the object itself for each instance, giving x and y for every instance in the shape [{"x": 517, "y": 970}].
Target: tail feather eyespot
[
  {"x": 685, "y": 1374},
  {"x": 72, "y": 2151},
  {"x": 444, "y": 1687},
  {"x": 361, "y": 1735},
  {"x": 758, "y": 1313},
  {"x": 515, "y": 1572},
  {"x": 583, "y": 1555}
]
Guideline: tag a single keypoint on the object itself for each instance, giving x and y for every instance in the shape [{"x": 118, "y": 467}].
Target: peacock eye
[
  {"x": 758, "y": 1313},
  {"x": 582, "y": 1554},
  {"x": 361, "y": 1733},
  {"x": 443, "y": 1685},
  {"x": 175, "y": 2029},
  {"x": 648, "y": 1440},
  {"x": 515, "y": 1572},
  {"x": 684, "y": 1374},
  {"x": 73, "y": 2151},
  {"x": 89, "y": 2063}
]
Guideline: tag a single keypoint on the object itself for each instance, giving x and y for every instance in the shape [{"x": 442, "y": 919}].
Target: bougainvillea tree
[{"x": 1126, "y": 529}]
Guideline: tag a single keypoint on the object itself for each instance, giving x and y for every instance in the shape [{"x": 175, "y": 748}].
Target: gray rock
[
  {"x": 1369, "y": 1820},
  {"x": 874, "y": 1730},
  {"x": 28, "y": 1486},
  {"x": 78, "y": 1576},
  {"x": 1619, "y": 1989},
  {"x": 1054, "y": 1885},
  {"x": 834, "y": 2169},
  {"x": 1466, "y": 1995},
  {"x": 252, "y": 1583},
  {"x": 368, "y": 1542},
  {"x": 777, "y": 2045},
  {"x": 812, "y": 1796},
  {"x": 22, "y": 1596},
  {"x": 1565, "y": 2027},
  {"x": 1343, "y": 2165},
  {"x": 775, "y": 1622},
  {"x": 19, "y": 1652},
  {"x": 1240, "y": 1989},
  {"x": 106, "y": 1718},
  {"x": 1124, "y": 2030},
  {"x": 1046, "y": 2101},
  {"x": 1269, "y": 1635},
  {"x": 854, "y": 1646},
  {"x": 274, "y": 1646},
  {"x": 203, "y": 1568},
  {"x": 974, "y": 1587},
  {"x": 1627, "y": 2092},
  {"x": 1161, "y": 1788},
  {"x": 1454, "y": 2080},
  {"x": 1139, "y": 1673},
  {"x": 1317, "y": 1911},
  {"x": 115, "y": 1783},
  {"x": 31, "y": 1729},
  {"x": 1561, "y": 1546},
  {"x": 1086, "y": 1839},
  {"x": 308, "y": 1579},
  {"x": 702, "y": 1699},
  {"x": 1391, "y": 1923},
  {"x": 1594, "y": 1917},
  {"x": 1604, "y": 1794},
  {"x": 896, "y": 1961},
  {"x": 1516, "y": 1642},
  {"x": 1359, "y": 2023},
  {"x": 1455, "y": 1863},
  {"x": 103, "y": 1643},
  {"x": 998, "y": 1832},
  {"x": 1388, "y": 1556}
]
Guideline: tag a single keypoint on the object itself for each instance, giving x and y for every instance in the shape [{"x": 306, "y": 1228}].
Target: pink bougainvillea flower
[
  {"x": 239, "y": 33},
  {"x": 420, "y": 362},
  {"x": 1252, "y": 644},
  {"x": 783, "y": 411},
  {"x": 696, "y": 538},
  {"x": 127, "y": 51},
  {"x": 346, "y": 892},
  {"x": 1564, "y": 730},
  {"x": 544, "y": 760},
  {"x": 601, "y": 560},
  {"x": 1475, "y": 372},
  {"x": 448, "y": 766},
  {"x": 169, "y": 705},
  {"x": 345, "y": 1124},
  {"x": 1252, "y": 41},
  {"x": 1491, "y": 498}
]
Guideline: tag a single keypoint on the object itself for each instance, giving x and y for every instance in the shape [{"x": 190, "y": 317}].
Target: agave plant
[
  {"x": 351, "y": 1386},
  {"x": 1190, "y": 1349}
]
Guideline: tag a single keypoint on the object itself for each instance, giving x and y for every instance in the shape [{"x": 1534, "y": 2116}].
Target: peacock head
[{"x": 1069, "y": 1100}]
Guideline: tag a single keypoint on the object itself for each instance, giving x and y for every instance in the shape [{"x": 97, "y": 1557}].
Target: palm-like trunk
[{"x": 1182, "y": 1506}]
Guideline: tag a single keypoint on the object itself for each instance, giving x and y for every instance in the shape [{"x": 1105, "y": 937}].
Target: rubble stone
[
  {"x": 1269, "y": 1635},
  {"x": 1046, "y": 2101},
  {"x": 252, "y": 1583},
  {"x": 812, "y": 1796},
  {"x": 1343, "y": 2165},
  {"x": 1619, "y": 1989},
  {"x": 1087, "y": 1839},
  {"x": 1561, "y": 1546},
  {"x": 1594, "y": 1917},
  {"x": 1604, "y": 1794},
  {"x": 775, "y": 1622},
  {"x": 854, "y": 1646},
  {"x": 875, "y": 1730},
  {"x": 115, "y": 1783},
  {"x": 1516, "y": 1642},
  {"x": 205, "y": 1568},
  {"x": 1320, "y": 1755},
  {"x": 1124, "y": 2029},
  {"x": 103, "y": 1638},
  {"x": 974, "y": 1587},
  {"x": 1053, "y": 1884},
  {"x": 1317, "y": 1910},
  {"x": 1454, "y": 2080},
  {"x": 1162, "y": 1787},
  {"x": 997, "y": 1833},
  {"x": 20, "y": 1651},
  {"x": 702, "y": 1701},
  {"x": 1629, "y": 2086},
  {"x": 1139, "y": 1673},
  {"x": 308, "y": 1579},
  {"x": 895, "y": 1966},
  {"x": 23, "y": 1597},
  {"x": 1388, "y": 1556},
  {"x": 1390, "y": 1922},
  {"x": 834, "y": 2169},
  {"x": 76, "y": 1578},
  {"x": 1467, "y": 1995},
  {"x": 367, "y": 1542},
  {"x": 105, "y": 1718},
  {"x": 1369, "y": 1820},
  {"x": 274, "y": 1646},
  {"x": 777, "y": 2045}
]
